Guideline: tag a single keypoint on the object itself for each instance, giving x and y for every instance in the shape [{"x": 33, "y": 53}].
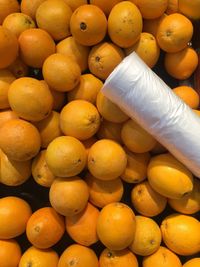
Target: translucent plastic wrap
[{"x": 139, "y": 92}]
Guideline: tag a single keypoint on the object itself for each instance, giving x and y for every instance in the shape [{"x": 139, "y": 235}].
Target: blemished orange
[
  {"x": 9, "y": 47},
  {"x": 45, "y": 228},
  {"x": 38, "y": 96},
  {"x": 7, "y": 114},
  {"x": 163, "y": 257},
  {"x": 87, "y": 89},
  {"x": 19, "y": 139},
  {"x": 78, "y": 255},
  {"x": 6, "y": 78},
  {"x": 103, "y": 58},
  {"x": 29, "y": 7},
  {"x": 174, "y": 33},
  {"x": 69, "y": 196},
  {"x": 116, "y": 226},
  {"x": 70, "y": 47},
  {"x": 194, "y": 262},
  {"x": 147, "y": 201},
  {"x": 151, "y": 25},
  {"x": 190, "y": 9},
  {"x": 82, "y": 227},
  {"x": 66, "y": 156},
  {"x": 19, "y": 68},
  {"x": 10, "y": 253},
  {"x": 82, "y": 25},
  {"x": 67, "y": 72},
  {"x": 75, "y": 4},
  {"x": 101, "y": 192},
  {"x": 172, "y": 7},
  {"x": 122, "y": 258},
  {"x": 39, "y": 257},
  {"x": 110, "y": 130},
  {"x": 7, "y": 7},
  {"x": 188, "y": 95},
  {"x": 54, "y": 10},
  {"x": 124, "y": 24},
  {"x": 35, "y": 45},
  {"x": 12, "y": 207},
  {"x": 169, "y": 177},
  {"x": 109, "y": 163}
]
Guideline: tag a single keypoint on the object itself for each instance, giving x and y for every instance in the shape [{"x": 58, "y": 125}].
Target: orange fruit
[
  {"x": 82, "y": 25},
  {"x": 78, "y": 255},
  {"x": 82, "y": 226},
  {"x": 66, "y": 156},
  {"x": 181, "y": 234},
  {"x": 109, "y": 163},
  {"x": 110, "y": 130},
  {"x": 69, "y": 196},
  {"x": 40, "y": 171},
  {"x": 6, "y": 115},
  {"x": 181, "y": 65},
  {"x": 39, "y": 257},
  {"x": 29, "y": 7},
  {"x": 122, "y": 258},
  {"x": 54, "y": 10},
  {"x": 174, "y": 33},
  {"x": 101, "y": 192},
  {"x": 146, "y": 48},
  {"x": 87, "y": 89},
  {"x": 116, "y": 226},
  {"x": 192, "y": 262},
  {"x": 124, "y": 24},
  {"x": 6, "y": 78},
  {"x": 10, "y": 253},
  {"x": 147, "y": 201},
  {"x": 7, "y": 7},
  {"x": 163, "y": 257},
  {"x": 136, "y": 138},
  {"x": 74, "y": 4},
  {"x": 19, "y": 68},
  {"x": 70, "y": 47},
  {"x": 8, "y": 47},
  {"x": 151, "y": 25},
  {"x": 19, "y": 140},
  {"x": 169, "y": 177},
  {"x": 67, "y": 72},
  {"x": 190, "y": 9},
  {"x": 147, "y": 236},
  {"x": 105, "y": 5},
  {"x": 103, "y": 58},
  {"x": 14, "y": 215},
  {"x": 35, "y": 46},
  {"x": 172, "y": 7},
  {"x": 37, "y": 95}
]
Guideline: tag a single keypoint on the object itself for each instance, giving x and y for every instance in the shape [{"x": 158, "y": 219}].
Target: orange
[
  {"x": 82, "y": 25},
  {"x": 174, "y": 33},
  {"x": 8, "y": 47},
  {"x": 103, "y": 58},
  {"x": 191, "y": 9},
  {"x": 136, "y": 138},
  {"x": 109, "y": 163},
  {"x": 172, "y": 7},
  {"x": 14, "y": 215},
  {"x": 18, "y": 22},
  {"x": 105, "y": 5},
  {"x": 79, "y": 256},
  {"x": 67, "y": 72},
  {"x": 102, "y": 193},
  {"x": 35, "y": 46},
  {"x": 82, "y": 227},
  {"x": 169, "y": 177},
  {"x": 70, "y": 47},
  {"x": 51, "y": 11},
  {"x": 40, "y": 171},
  {"x": 39, "y": 258},
  {"x": 116, "y": 226},
  {"x": 6, "y": 78},
  {"x": 188, "y": 95},
  {"x": 181, "y": 234},
  {"x": 147, "y": 201},
  {"x": 197, "y": 111},
  {"x": 7, "y": 7},
  {"x": 29, "y": 7},
  {"x": 6, "y": 115},
  {"x": 192, "y": 262},
  {"x": 163, "y": 257},
  {"x": 10, "y": 253},
  {"x": 151, "y": 25},
  {"x": 66, "y": 156},
  {"x": 110, "y": 130},
  {"x": 109, "y": 110},
  {"x": 19, "y": 140},
  {"x": 74, "y": 4},
  {"x": 124, "y": 24},
  {"x": 147, "y": 237},
  {"x": 87, "y": 89},
  {"x": 45, "y": 228},
  {"x": 69, "y": 196},
  {"x": 38, "y": 96},
  {"x": 146, "y": 48},
  {"x": 122, "y": 258},
  {"x": 19, "y": 68}
]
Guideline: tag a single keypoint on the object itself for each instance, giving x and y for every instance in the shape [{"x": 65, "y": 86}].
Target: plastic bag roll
[{"x": 147, "y": 99}]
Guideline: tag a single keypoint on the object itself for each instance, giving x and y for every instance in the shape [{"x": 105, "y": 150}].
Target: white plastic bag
[{"x": 144, "y": 97}]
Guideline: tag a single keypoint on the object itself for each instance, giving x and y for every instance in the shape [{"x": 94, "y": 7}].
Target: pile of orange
[{"x": 112, "y": 195}]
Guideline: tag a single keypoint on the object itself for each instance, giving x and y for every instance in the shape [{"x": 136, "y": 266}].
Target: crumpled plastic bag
[{"x": 147, "y": 99}]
